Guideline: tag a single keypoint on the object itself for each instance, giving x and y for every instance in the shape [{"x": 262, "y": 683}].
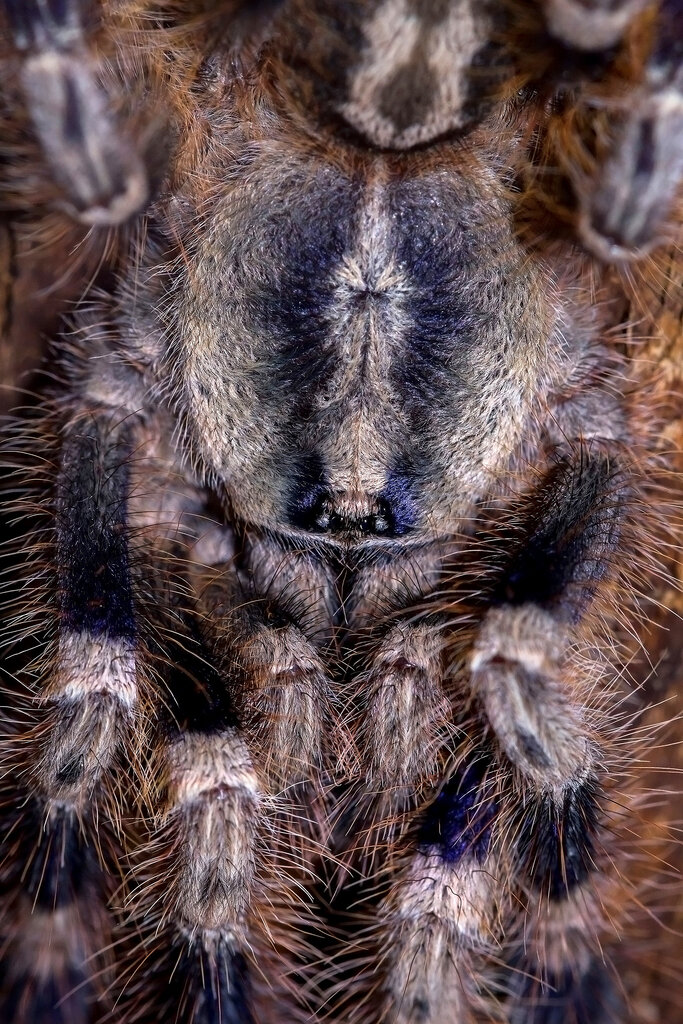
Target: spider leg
[
  {"x": 591, "y": 995},
  {"x": 590, "y": 24},
  {"x": 192, "y": 886},
  {"x": 97, "y": 166},
  {"x": 405, "y": 714},
  {"x": 402, "y": 712},
  {"x": 240, "y": 744},
  {"x": 441, "y": 917},
  {"x": 519, "y": 667},
  {"x": 537, "y": 706},
  {"x": 135, "y": 694},
  {"x": 274, "y": 626},
  {"x": 58, "y": 922}
]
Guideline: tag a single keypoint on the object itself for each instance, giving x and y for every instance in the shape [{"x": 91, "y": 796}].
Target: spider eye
[
  {"x": 322, "y": 520},
  {"x": 380, "y": 524}
]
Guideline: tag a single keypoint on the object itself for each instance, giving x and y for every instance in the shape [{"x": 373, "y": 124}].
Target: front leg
[
  {"x": 245, "y": 726},
  {"x": 521, "y": 672},
  {"x": 540, "y": 704}
]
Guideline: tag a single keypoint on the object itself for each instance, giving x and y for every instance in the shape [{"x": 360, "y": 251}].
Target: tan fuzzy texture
[
  {"x": 342, "y": 631},
  {"x": 440, "y": 917},
  {"x": 406, "y": 716},
  {"x": 520, "y": 676}
]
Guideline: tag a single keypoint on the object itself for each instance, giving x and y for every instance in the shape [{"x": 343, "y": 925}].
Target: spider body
[{"x": 342, "y": 481}]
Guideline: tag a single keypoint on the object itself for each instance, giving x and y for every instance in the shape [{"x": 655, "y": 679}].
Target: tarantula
[{"x": 337, "y": 508}]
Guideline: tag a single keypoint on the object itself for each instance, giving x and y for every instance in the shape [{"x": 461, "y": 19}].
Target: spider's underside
[{"x": 346, "y": 511}]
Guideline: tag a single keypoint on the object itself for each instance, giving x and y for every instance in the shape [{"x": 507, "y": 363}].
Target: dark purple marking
[{"x": 458, "y": 823}]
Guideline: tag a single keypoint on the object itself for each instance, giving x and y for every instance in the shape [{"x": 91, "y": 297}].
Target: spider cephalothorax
[{"x": 343, "y": 502}]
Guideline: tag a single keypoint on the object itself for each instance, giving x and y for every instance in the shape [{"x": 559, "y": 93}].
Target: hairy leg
[
  {"x": 539, "y": 707},
  {"x": 102, "y": 175},
  {"x": 87, "y": 708}
]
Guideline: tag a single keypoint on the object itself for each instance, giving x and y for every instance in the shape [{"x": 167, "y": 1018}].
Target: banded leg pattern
[
  {"x": 57, "y": 925},
  {"x": 442, "y": 917}
]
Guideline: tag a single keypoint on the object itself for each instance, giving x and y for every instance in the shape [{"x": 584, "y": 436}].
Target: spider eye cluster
[{"x": 326, "y": 516}]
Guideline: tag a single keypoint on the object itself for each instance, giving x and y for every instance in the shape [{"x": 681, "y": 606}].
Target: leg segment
[
  {"x": 574, "y": 996},
  {"x": 287, "y": 701},
  {"x": 520, "y": 669},
  {"x": 93, "y": 688},
  {"x": 405, "y": 716},
  {"x": 101, "y": 174},
  {"x": 207, "y": 843},
  {"x": 440, "y": 919}
]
